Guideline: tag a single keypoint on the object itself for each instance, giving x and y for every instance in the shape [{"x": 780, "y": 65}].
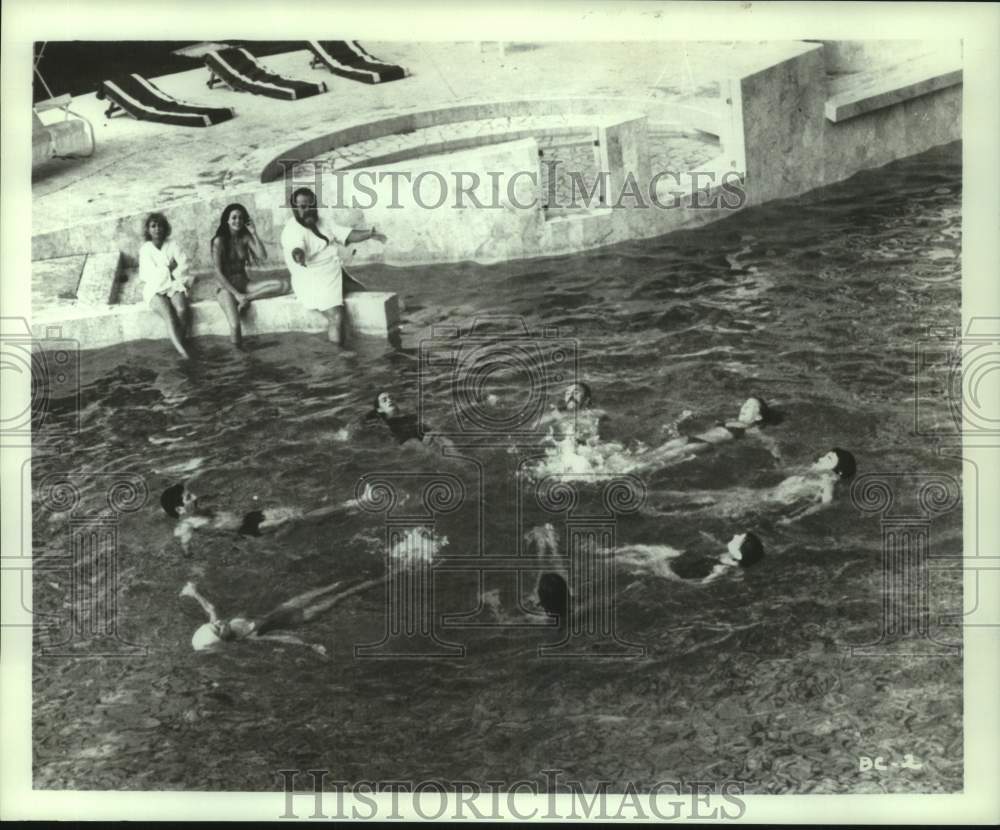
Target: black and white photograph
[{"x": 582, "y": 412}]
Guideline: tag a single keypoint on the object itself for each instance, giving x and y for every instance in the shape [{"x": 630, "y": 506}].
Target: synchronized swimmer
[
  {"x": 797, "y": 496},
  {"x": 180, "y": 502},
  {"x": 404, "y": 426},
  {"x": 754, "y": 415},
  {"x": 293, "y": 612}
]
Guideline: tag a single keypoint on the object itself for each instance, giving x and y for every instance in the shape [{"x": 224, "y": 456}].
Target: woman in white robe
[{"x": 164, "y": 277}]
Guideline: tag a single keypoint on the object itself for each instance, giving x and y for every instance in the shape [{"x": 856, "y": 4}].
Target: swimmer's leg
[
  {"x": 299, "y": 610},
  {"x": 328, "y": 602},
  {"x": 182, "y": 308},
  {"x": 290, "y": 612},
  {"x": 191, "y": 590},
  {"x": 230, "y": 309},
  {"x": 163, "y": 307}
]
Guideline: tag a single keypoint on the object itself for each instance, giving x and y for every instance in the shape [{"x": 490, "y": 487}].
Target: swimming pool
[{"x": 815, "y": 303}]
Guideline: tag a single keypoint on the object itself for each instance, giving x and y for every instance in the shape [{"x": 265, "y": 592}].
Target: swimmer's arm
[
  {"x": 190, "y": 590},
  {"x": 808, "y": 510},
  {"x": 769, "y": 443},
  {"x": 716, "y": 572},
  {"x": 328, "y": 510},
  {"x": 719, "y": 434},
  {"x": 178, "y": 266},
  {"x": 220, "y": 276}
]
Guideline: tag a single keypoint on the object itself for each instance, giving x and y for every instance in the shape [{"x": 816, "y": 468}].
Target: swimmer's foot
[{"x": 188, "y": 590}]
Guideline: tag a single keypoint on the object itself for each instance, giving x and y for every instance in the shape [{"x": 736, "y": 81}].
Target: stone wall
[
  {"x": 778, "y": 128},
  {"x": 844, "y": 56}
]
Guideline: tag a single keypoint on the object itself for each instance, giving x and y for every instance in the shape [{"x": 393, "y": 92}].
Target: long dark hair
[{"x": 224, "y": 235}]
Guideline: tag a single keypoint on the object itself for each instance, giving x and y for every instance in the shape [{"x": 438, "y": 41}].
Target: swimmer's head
[
  {"x": 837, "y": 461},
  {"x": 755, "y": 411},
  {"x": 745, "y": 549},
  {"x": 251, "y": 523},
  {"x": 385, "y": 405},
  {"x": 577, "y": 396},
  {"x": 156, "y": 228},
  {"x": 222, "y": 630},
  {"x": 177, "y": 500}
]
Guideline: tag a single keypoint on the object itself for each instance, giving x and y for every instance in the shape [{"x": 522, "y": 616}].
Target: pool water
[{"x": 817, "y": 304}]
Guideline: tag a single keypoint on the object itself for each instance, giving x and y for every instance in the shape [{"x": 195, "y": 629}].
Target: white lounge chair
[{"x": 72, "y": 137}]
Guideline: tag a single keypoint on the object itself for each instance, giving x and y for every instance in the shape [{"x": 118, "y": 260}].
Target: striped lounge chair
[
  {"x": 142, "y": 99},
  {"x": 239, "y": 70},
  {"x": 347, "y": 59}
]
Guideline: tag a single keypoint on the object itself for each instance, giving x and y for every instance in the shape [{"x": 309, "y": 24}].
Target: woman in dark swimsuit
[
  {"x": 754, "y": 414},
  {"x": 234, "y": 246}
]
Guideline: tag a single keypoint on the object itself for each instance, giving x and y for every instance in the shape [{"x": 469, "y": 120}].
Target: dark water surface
[{"x": 816, "y": 303}]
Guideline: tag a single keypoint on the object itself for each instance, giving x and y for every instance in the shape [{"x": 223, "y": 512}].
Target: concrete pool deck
[
  {"x": 777, "y": 118},
  {"x": 139, "y": 164}
]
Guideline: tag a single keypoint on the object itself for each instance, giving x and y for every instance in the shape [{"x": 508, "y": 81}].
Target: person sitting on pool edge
[
  {"x": 234, "y": 247},
  {"x": 311, "y": 242},
  {"x": 180, "y": 502},
  {"x": 293, "y": 612},
  {"x": 165, "y": 280}
]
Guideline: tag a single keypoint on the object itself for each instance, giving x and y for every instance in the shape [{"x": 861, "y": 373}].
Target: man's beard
[{"x": 308, "y": 218}]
